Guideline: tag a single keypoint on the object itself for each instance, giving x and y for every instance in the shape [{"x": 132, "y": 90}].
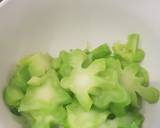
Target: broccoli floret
[
  {"x": 129, "y": 52},
  {"x": 46, "y": 100},
  {"x": 79, "y": 118},
  {"x": 101, "y": 51},
  {"x": 82, "y": 80},
  {"x": 39, "y": 64},
  {"x": 130, "y": 120},
  {"x": 18, "y": 84},
  {"x": 13, "y": 96},
  {"x": 133, "y": 78},
  {"x": 111, "y": 95}
]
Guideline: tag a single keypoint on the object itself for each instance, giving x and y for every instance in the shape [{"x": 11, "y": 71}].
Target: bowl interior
[{"x": 52, "y": 25}]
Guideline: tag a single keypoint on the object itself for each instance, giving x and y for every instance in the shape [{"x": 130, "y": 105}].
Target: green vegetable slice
[
  {"x": 134, "y": 84},
  {"x": 82, "y": 81},
  {"x": 42, "y": 96},
  {"x": 45, "y": 102},
  {"x": 13, "y": 96},
  {"x": 101, "y": 51},
  {"x": 79, "y": 118},
  {"x": 112, "y": 95},
  {"x": 130, "y": 120},
  {"x": 129, "y": 51},
  {"x": 39, "y": 64}
]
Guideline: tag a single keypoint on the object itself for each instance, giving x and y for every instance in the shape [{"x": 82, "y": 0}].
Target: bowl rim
[{"x": 3, "y": 2}]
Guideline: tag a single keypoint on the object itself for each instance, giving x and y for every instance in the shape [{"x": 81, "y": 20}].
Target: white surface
[{"x": 28, "y": 26}]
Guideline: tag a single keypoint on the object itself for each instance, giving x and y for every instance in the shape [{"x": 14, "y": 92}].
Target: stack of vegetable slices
[{"x": 96, "y": 88}]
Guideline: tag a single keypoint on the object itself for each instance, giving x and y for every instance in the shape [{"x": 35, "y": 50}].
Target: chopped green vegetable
[
  {"x": 39, "y": 64},
  {"x": 133, "y": 83},
  {"x": 78, "y": 118},
  {"x": 112, "y": 95},
  {"x": 35, "y": 81},
  {"x": 129, "y": 52},
  {"x": 13, "y": 96},
  {"x": 82, "y": 80},
  {"x": 130, "y": 120},
  {"x": 46, "y": 100},
  {"x": 96, "y": 88},
  {"x": 101, "y": 51}
]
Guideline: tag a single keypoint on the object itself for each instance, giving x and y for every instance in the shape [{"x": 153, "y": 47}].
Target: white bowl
[{"x": 28, "y": 26}]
